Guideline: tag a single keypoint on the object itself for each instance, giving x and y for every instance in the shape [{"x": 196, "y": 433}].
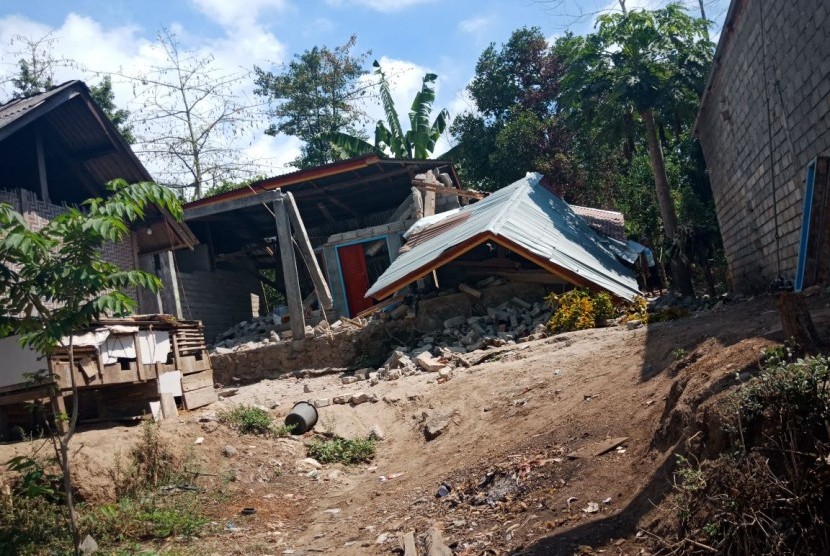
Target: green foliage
[
  {"x": 33, "y": 526},
  {"x": 418, "y": 142},
  {"x": 150, "y": 465},
  {"x": 55, "y": 280},
  {"x": 317, "y": 93},
  {"x": 252, "y": 420},
  {"x": 35, "y": 481},
  {"x": 342, "y": 450},
  {"x": 679, "y": 354},
  {"x": 104, "y": 96},
  {"x": 774, "y": 356},
  {"x": 578, "y": 309},
  {"x": 146, "y": 518}
]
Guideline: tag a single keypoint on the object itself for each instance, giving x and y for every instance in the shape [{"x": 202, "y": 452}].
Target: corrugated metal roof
[{"x": 536, "y": 223}]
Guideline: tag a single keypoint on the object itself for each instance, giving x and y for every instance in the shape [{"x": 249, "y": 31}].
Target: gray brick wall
[
  {"x": 219, "y": 298},
  {"x": 37, "y": 213},
  {"x": 734, "y": 132}
]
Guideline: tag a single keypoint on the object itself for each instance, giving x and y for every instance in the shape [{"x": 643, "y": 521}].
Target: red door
[{"x": 355, "y": 277}]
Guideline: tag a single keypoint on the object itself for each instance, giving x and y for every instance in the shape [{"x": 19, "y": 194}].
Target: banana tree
[{"x": 418, "y": 142}]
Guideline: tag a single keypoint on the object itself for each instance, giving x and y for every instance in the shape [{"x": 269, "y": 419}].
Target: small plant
[
  {"x": 778, "y": 355},
  {"x": 151, "y": 464},
  {"x": 248, "y": 419},
  {"x": 679, "y": 354},
  {"x": 577, "y": 309},
  {"x": 342, "y": 450},
  {"x": 145, "y": 519}
]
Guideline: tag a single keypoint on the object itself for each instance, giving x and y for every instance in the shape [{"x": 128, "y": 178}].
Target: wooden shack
[{"x": 133, "y": 367}]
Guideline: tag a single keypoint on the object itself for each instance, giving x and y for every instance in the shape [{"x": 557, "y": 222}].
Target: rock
[
  {"x": 632, "y": 324},
  {"x": 343, "y": 399},
  {"x": 376, "y": 432},
  {"x": 219, "y": 350},
  {"x": 88, "y": 546},
  {"x": 210, "y": 426},
  {"x": 591, "y": 508},
  {"x": 229, "y": 451},
  {"x": 207, "y": 418},
  {"x": 454, "y": 322},
  {"x": 311, "y": 462},
  {"x": 349, "y": 379},
  {"x": 445, "y": 373},
  {"x": 392, "y": 398},
  {"x": 306, "y": 389},
  {"x": 393, "y": 374},
  {"x": 435, "y": 427},
  {"x": 228, "y": 392},
  {"x": 274, "y": 336},
  {"x": 362, "y": 374},
  {"x": 322, "y": 402},
  {"x": 428, "y": 363},
  {"x": 274, "y": 404},
  {"x": 359, "y": 398}
]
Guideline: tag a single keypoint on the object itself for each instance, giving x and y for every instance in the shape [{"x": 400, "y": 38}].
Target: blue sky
[{"x": 409, "y": 36}]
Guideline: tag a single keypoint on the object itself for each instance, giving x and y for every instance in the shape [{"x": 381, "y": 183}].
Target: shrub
[
  {"x": 151, "y": 464},
  {"x": 145, "y": 518},
  {"x": 577, "y": 309},
  {"x": 342, "y": 450},
  {"x": 247, "y": 419}
]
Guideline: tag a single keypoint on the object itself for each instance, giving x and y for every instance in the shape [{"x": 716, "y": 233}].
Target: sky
[{"x": 409, "y": 37}]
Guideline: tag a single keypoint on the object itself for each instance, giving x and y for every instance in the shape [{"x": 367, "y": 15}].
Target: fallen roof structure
[{"x": 527, "y": 218}]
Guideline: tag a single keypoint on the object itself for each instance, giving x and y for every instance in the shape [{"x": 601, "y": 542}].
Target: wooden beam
[
  {"x": 41, "y": 167},
  {"x": 194, "y": 213},
  {"x": 417, "y": 204},
  {"x": 171, "y": 302},
  {"x": 289, "y": 267},
  {"x": 307, "y": 251},
  {"x": 429, "y": 202},
  {"x": 451, "y": 191}
]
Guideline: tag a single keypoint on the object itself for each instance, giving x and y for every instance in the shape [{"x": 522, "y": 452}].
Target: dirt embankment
[{"x": 519, "y": 450}]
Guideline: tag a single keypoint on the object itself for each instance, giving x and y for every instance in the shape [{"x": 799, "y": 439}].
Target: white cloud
[
  {"x": 385, "y": 6},
  {"x": 235, "y": 13},
  {"x": 475, "y": 25}
]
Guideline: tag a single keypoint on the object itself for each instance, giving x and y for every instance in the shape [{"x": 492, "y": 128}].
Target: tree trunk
[
  {"x": 796, "y": 321},
  {"x": 64, "y": 454},
  {"x": 680, "y": 271}
]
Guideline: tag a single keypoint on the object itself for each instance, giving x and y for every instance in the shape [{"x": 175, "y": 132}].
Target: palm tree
[{"x": 418, "y": 142}]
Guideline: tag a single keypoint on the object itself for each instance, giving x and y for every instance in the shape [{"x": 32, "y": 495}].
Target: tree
[
  {"x": 54, "y": 282},
  {"x": 417, "y": 142},
  {"x": 189, "y": 116},
  {"x": 516, "y": 126},
  {"x": 104, "y": 97},
  {"x": 315, "y": 94},
  {"x": 35, "y": 66},
  {"x": 651, "y": 64}
]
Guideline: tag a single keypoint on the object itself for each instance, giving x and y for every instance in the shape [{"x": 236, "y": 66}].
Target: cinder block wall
[
  {"x": 735, "y": 132},
  {"x": 37, "y": 213},
  {"x": 219, "y": 298}
]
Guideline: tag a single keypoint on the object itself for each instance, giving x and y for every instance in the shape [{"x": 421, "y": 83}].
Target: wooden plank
[
  {"x": 196, "y": 381},
  {"x": 469, "y": 290},
  {"x": 199, "y": 398},
  {"x": 378, "y": 306},
  {"x": 89, "y": 368},
  {"x": 168, "y": 405},
  {"x": 452, "y": 191},
  {"x": 596, "y": 449},
  {"x": 307, "y": 251},
  {"x": 289, "y": 267}
]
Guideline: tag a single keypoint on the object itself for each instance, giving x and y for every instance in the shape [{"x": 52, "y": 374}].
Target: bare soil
[{"x": 512, "y": 421}]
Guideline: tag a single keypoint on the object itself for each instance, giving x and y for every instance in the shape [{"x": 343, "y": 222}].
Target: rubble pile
[{"x": 263, "y": 330}]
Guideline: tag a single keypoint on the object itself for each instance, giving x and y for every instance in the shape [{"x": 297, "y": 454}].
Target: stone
[
  {"x": 362, "y": 374},
  {"x": 229, "y": 451},
  {"x": 88, "y": 546},
  {"x": 322, "y": 402},
  {"x": 454, "y": 322},
  {"x": 274, "y": 336},
  {"x": 423, "y": 349},
  {"x": 306, "y": 389},
  {"x": 274, "y": 404},
  {"x": 311, "y": 462},
  {"x": 376, "y": 432},
  {"x": 428, "y": 363},
  {"x": 632, "y": 324},
  {"x": 349, "y": 379},
  {"x": 359, "y": 398},
  {"x": 210, "y": 426},
  {"x": 394, "y": 374},
  {"x": 445, "y": 373},
  {"x": 344, "y": 399},
  {"x": 392, "y": 398},
  {"x": 435, "y": 427},
  {"x": 207, "y": 418}
]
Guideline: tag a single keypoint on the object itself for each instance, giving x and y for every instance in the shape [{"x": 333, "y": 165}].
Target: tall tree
[
  {"x": 318, "y": 92},
  {"x": 104, "y": 96},
  {"x": 516, "y": 126},
  {"x": 54, "y": 281},
  {"x": 189, "y": 116},
  {"x": 36, "y": 65},
  {"x": 417, "y": 142},
  {"x": 652, "y": 64}
]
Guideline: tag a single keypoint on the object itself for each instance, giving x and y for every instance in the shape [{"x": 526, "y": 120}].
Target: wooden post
[
  {"x": 429, "y": 202},
  {"x": 796, "y": 321},
  {"x": 171, "y": 302},
  {"x": 417, "y": 204},
  {"x": 289, "y": 268},
  {"x": 307, "y": 251},
  {"x": 41, "y": 167},
  {"x": 148, "y": 302}
]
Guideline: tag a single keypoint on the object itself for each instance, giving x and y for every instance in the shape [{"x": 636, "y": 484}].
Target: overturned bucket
[{"x": 302, "y": 418}]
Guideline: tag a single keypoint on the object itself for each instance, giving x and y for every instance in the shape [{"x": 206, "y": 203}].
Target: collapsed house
[
  {"x": 354, "y": 213},
  {"x": 520, "y": 231},
  {"x": 58, "y": 149}
]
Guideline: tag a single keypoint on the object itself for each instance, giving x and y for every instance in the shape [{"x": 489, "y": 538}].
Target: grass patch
[
  {"x": 249, "y": 419},
  {"x": 147, "y": 519},
  {"x": 342, "y": 450}
]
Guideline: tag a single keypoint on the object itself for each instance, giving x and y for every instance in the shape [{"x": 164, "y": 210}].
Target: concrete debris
[
  {"x": 376, "y": 432},
  {"x": 429, "y": 363},
  {"x": 436, "y": 426},
  {"x": 88, "y": 546},
  {"x": 323, "y": 402},
  {"x": 229, "y": 451},
  {"x": 306, "y": 389}
]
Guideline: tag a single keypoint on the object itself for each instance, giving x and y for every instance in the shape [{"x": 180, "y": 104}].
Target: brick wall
[
  {"x": 735, "y": 132},
  {"x": 219, "y": 298},
  {"x": 37, "y": 213}
]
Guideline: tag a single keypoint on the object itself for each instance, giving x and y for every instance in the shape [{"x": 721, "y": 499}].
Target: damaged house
[
  {"x": 522, "y": 233},
  {"x": 354, "y": 213},
  {"x": 58, "y": 149}
]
